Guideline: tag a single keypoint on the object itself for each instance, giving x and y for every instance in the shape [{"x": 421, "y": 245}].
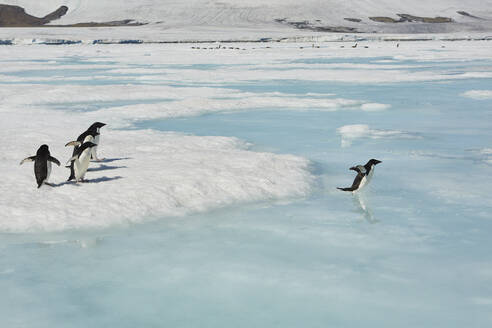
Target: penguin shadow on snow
[
  {"x": 81, "y": 183},
  {"x": 102, "y": 179},
  {"x": 103, "y": 167},
  {"x": 109, "y": 160}
]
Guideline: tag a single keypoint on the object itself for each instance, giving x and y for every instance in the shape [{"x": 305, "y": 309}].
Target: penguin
[
  {"x": 363, "y": 177},
  {"x": 97, "y": 128},
  {"x": 87, "y": 136},
  {"x": 81, "y": 159},
  {"x": 42, "y": 164}
]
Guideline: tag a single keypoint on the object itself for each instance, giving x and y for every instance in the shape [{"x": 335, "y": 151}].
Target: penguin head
[
  {"x": 96, "y": 125},
  {"x": 373, "y": 162},
  {"x": 43, "y": 150}
]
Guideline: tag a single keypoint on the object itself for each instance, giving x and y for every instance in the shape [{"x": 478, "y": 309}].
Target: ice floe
[
  {"x": 146, "y": 174},
  {"x": 478, "y": 94},
  {"x": 349, "y": 133}
]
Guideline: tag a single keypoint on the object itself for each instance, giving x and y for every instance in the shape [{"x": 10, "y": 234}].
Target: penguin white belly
[
  {"x": 48, "y": 169},
  {"x": 94, "y": 149},
  {"x": 362, "y": 183},
  {"x": 371, "y": 173},
  {"x": 81, "y": 164},
  {"x": 89, "y": 138}
]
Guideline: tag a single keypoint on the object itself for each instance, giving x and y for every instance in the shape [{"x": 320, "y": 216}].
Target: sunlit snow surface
[{"x": 217, "y": 203}]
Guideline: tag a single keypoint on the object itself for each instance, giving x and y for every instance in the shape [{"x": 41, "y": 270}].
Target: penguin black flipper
[
  {"x": 355, "y": 184},
  {"x": 28, "y": 159},
  {"x": 72, "y": 172},
  {"x": 80, "y": 150},
  {"x": 76, "y": 145},
  {"x": 54, "y": 160}
]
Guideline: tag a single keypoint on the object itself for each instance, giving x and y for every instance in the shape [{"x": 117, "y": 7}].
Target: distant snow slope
[{"x": 240, "y": 13}]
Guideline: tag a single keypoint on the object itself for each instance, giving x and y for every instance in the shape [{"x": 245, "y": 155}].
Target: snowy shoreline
[{"x": 35, "y": 39}]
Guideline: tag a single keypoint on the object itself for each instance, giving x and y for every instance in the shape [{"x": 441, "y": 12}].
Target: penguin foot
[{"x": 49, "y": 184}]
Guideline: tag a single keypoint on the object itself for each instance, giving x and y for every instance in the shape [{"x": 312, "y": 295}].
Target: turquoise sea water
[{"x": 412, "y": 251}]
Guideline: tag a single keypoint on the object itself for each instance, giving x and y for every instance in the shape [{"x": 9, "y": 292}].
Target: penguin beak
[
  {"x": 377, "y": 162},
  {"x": 353, "y": 168}
]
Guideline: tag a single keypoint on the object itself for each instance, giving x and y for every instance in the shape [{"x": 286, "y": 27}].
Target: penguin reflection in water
[
  {"x": 364, "y": 175},
  {"x": 42, "y": 164}
]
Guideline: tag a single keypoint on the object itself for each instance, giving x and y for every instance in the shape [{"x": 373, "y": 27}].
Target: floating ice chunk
[
  {"x": 478, "y": 94},
  {"x": 349, "y": 133},
  {"x": 484, "y": 155},
  {"x": 486, "y": 151},
  {"x": 374, "y": 107}
]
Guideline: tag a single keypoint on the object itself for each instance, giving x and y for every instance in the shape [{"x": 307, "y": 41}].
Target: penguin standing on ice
[
  {"x": 364, "y": 175},
  {"x": 81, "y": 159},
  {"x": 42, "y": 164},
  {"x": 97, "y": 139},
  {"x": 92, "y": 134},
  {"x": 87, "y": 136}
]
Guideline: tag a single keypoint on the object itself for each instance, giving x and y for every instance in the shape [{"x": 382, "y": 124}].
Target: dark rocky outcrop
[
  {"x": 383, "y": 19},
  {"x": 15, "y": 16},
  {"x": 438, "y": 19},
  {"x": 355, "y": 20},
  {"x": 411, "y": 18},
  {"x": 464, "y": 13},
  {"x": 306, "y": 25}
]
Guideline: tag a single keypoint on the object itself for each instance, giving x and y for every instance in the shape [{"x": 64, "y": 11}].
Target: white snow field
[
  {"x": 233, "y": 13},
  {"x": 216, "y": 204},
  {"x": 170, "y": 20}
]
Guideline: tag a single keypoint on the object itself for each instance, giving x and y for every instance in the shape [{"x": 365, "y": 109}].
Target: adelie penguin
[
  {"x": 42, "y": 164},
  {"x": 364, "y": 175},
  {"x": 81, "y": 159},
  {"x": 92, "y": 134},
  {"x": 87, "y": 136},
  {"x": 97, "y": 139}
]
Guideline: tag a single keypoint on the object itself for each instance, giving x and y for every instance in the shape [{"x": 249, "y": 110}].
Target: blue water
[{"x": 398, "y": 256}]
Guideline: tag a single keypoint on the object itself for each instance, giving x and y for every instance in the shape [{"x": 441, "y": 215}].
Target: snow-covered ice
[
  {"x": 217, "y": 204},
  {"x": 145, "y": 174},
  {"x": 478, "y": 94},
  {"x": 350, "y": 132}
]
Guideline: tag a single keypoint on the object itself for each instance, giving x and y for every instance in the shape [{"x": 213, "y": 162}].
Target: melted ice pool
[{"x": 241, "y": 225}]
